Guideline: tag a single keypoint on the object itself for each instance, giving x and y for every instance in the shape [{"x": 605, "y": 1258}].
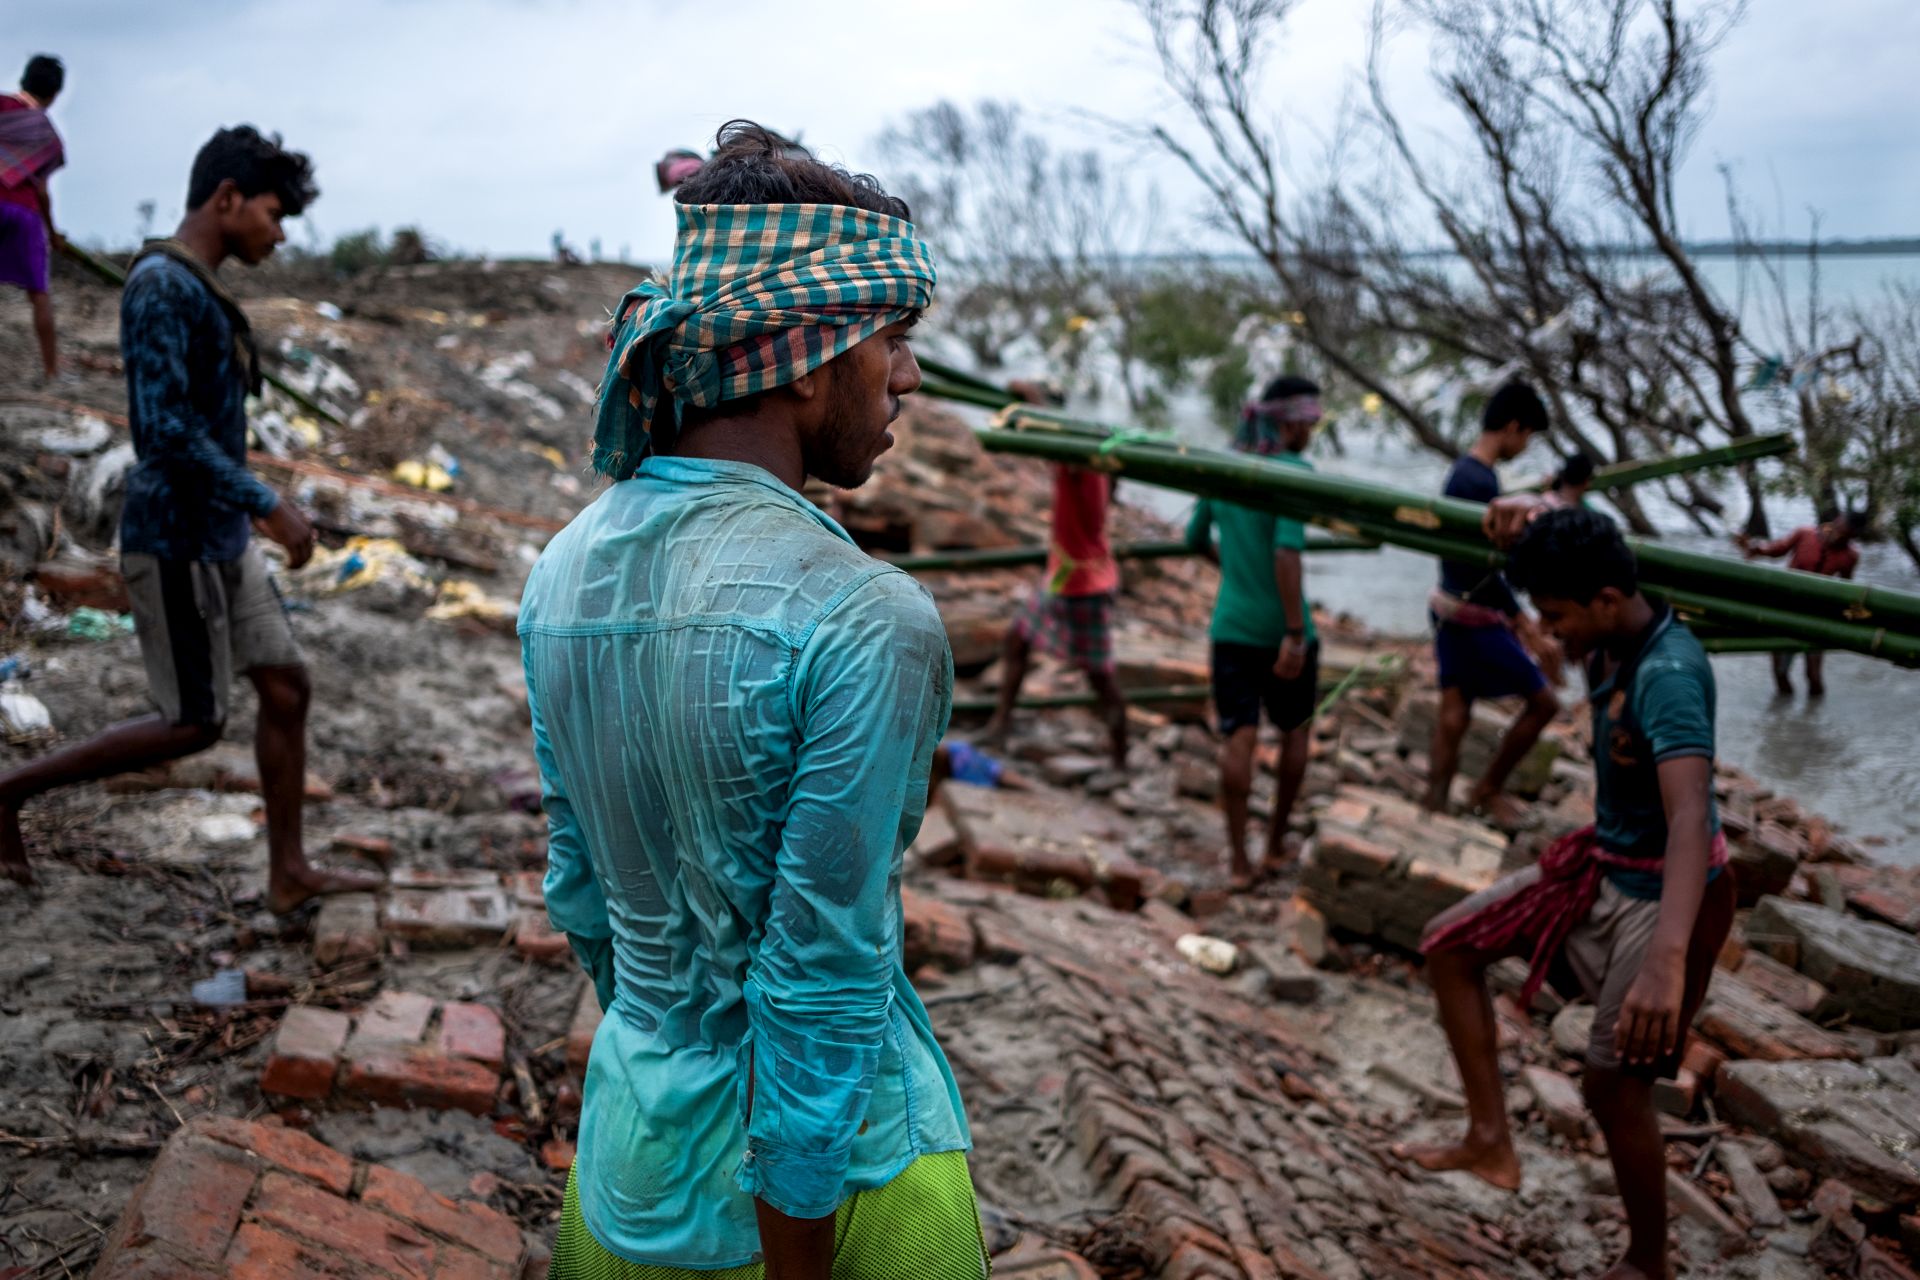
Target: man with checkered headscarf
[{"x": 735, "y": 711}]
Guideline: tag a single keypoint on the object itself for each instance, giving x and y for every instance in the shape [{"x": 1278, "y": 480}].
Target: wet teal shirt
[
  {"x": 735, "y": 711},
  {"x": 1664, "y": 711},
  {"x": 1248, "y": 609}
]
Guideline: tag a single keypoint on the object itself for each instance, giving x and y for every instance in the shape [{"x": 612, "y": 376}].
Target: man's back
[{"x": 735, "y": 712}]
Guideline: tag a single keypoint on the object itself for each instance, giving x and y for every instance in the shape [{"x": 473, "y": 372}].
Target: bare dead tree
[
  {"x": 1563, "y": 254},
  {"x": 1029, "y": 236}
]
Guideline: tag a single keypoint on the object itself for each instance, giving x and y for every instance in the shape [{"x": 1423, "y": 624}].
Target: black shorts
[{"x": 1243, "y": 682}]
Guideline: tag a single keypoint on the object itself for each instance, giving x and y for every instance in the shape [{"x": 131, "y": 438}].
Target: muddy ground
[{"x": 419, "y": 739}]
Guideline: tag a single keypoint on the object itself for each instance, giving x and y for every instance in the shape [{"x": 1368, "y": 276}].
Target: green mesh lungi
[{"x": 924, "y": 1224}]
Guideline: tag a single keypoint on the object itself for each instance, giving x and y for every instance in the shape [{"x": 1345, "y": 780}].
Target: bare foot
[
  {"x": 1625, "y": 1270},
  {"x": 13, "y": 849},
  {"x": 1816, "y": 689},
  {"x": 1496, "y": 1165},
  {"x": 287, "y": 891},
  {"x": 1239, "y": 875},
  {"x": 1500, "y": 809}
]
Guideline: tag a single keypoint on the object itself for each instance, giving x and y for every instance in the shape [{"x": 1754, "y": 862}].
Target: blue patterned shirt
[
  {"x": 735, "y": 712},
  {"x": 190, "y": 496}
]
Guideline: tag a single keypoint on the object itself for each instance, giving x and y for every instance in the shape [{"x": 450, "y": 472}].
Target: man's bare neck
[{"x": 762, "y": 440}]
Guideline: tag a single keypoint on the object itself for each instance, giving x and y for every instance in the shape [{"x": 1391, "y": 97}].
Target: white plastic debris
[
  {"x": 23, "y": 715},
  {"x": 327, "y": 310},
  {"x": 224, "y": 828},
  {"x": 84, "y": 435},
  {"x": 1215, "y": 955}
]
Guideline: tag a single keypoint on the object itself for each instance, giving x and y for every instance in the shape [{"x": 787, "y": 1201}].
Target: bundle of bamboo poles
[{"x": 1751, "y": 602}]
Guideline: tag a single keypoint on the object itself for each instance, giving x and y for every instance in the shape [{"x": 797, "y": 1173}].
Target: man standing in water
[
  {"x": 1070, "y": 614},
  {"x": 1826, "y": 549},
  {"x": 203, "y": 605},
  {"x": 1266, "y": 653},
  {"x": 1633, "y": 909},
  {"x": 1481, "y": 635},
  {"x": 735, "y": 712}
]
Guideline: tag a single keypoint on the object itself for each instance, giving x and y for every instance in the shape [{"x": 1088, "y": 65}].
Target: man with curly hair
[{"x": 203, "y": 605}]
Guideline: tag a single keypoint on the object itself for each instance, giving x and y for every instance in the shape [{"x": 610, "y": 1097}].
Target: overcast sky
[{"x": 493, "y": 123}]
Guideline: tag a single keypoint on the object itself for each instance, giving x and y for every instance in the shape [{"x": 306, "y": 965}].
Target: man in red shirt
[
  {"x": 1827, "y": 550},
  {"x": 30, "y": 150},
  {"x": 1071, "y": 615}
]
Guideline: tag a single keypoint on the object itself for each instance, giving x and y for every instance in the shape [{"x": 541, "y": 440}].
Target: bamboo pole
[
  {"x": 1303, "y": 493},
  {"x": 114, "y": 276},
  {"x": 1020, "y": 557},
  {"x": 966, "y": 395},
  {"x": 1623, "y": 474},
  {"x": 953, "y": 375},
  {"x": 1738, "y": 616}
]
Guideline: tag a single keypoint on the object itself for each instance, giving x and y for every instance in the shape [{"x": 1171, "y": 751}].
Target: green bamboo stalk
[
  {"x": 1748, "y": 449},
  {"x": 986, "y": 399},
  {"x": 1020, "y": 557},
  {"x": 1722, "y": 614},
  {"x": 953, "y": 375},
  {"x": 1753, "y": 644},
  {"x": 1256, "y": 482}
]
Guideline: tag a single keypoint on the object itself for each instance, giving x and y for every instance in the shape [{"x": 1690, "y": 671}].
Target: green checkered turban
[{"x": 759, "y": 295}]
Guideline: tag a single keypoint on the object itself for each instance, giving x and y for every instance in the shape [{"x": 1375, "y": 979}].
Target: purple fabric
[
  {"x": 23, "y": 248},
  {"x": 29, "y": 146}
]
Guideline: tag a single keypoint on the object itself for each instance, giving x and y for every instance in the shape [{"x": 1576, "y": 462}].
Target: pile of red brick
[
  {"x": 402, "y": 1049},
  {"x": 230, "y": 1198}
]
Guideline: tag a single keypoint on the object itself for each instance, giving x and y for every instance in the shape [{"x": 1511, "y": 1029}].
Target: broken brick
[
  {"x": 934, "y": 932},
  {"x": 473, "y": 1031},
  {"x": 347, "y": 928},
  {"x": 484, "y": 1230},
  {"x": 284, "y": 1148},
  {"x": 305, "y": 1054},
  {"x": 392, "y": 1018},
  {"x": 398, "y": 1077}
]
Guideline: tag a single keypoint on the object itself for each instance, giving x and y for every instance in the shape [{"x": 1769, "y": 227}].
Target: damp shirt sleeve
[{"x": 871, "y": 690}]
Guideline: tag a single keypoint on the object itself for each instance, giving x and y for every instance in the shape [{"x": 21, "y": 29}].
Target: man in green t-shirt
[
  {"x": 1633, "y": 909},
  {"x": 1265, "y": 650}
]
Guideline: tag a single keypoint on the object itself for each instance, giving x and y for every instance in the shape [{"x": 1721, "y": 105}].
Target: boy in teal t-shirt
[
  {"x": 1265, "y": 651},
  {"x": 1633, "y": 909}
]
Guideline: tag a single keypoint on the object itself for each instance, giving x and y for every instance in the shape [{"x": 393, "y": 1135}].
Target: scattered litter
[
  {"x": 547, "y": 451},
  {"x": 99, "y": 490},
  {"x": 1215, "y": 955},
  {"x": 439, "y": 457},
  {"x": 24, "y": 716},
  {"x": 89, "y": 623},
  {"x": 328, "y": 311},
  {"x": 361, "y": 562},
  {"x": 14, "y": 667},
  {"x": 423, "y": 475},
  {"x": 86, "y": 434},
  {"x": 462, "y": 599},
  {"x": 224, "y": 828},
  {"x": 225, "y": 987}
]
